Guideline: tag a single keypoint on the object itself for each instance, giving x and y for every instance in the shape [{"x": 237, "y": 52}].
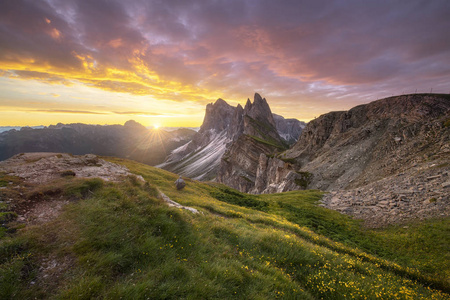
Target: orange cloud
[{"x": 115, "y": 43}]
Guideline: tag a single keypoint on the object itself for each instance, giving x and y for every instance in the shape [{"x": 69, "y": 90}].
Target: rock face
[
  {"x": 199, "y": 159},
  {"x": 238, "y": 167},
  {"x": 224, "y": 128},
  {"x": 131, "y": 140},
  {"x": 372, "y": 141}
]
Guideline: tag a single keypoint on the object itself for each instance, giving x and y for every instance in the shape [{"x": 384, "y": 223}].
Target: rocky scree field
[{"x": 118, "y": 239}]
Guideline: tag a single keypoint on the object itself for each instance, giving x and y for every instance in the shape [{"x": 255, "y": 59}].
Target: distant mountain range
[
  {"x": 7, "y": 128},
  {"x": 131, "y": 140},
  {"x": 223, "y": 128}
]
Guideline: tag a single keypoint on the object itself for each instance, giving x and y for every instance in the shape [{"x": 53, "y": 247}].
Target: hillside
[{"x": 69, "y": 237}]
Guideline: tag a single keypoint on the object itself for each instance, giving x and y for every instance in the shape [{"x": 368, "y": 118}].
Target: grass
[
  {"x": 118, "y": 240},
  {"x": 304, "y": 180}
]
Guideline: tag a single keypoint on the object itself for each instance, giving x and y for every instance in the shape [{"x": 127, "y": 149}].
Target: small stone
[{"x": 446, "y": 184}]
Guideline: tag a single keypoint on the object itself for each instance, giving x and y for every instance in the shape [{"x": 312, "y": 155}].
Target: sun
[{"x": 156, "y": 126}]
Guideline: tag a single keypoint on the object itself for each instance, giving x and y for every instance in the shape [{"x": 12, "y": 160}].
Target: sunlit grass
[{"x": 121, "y": 241}]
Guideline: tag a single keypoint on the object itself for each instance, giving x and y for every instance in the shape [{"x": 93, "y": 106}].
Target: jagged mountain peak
[
  {"x": 289, "y": 129},
  {"x": 218, "y": 116},
  {"x": 223, "y": 127},
  {"x": 248, "y": 105},
  {"x": 220, "y": 103},
  {"x": 258, "y": 98},
  {"x": 259, "y": 110}
]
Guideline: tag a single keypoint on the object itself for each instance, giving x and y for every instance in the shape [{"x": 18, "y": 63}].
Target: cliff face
[
  {"x": 239, "y": 164},
  {"x": 238, "y": 167},
  {"x": 342, "y": 150}
]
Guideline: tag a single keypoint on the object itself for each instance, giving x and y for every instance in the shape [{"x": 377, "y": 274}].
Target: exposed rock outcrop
[
  {"x": 239, "y": 164},
  {"x": 372, "y": 141},
  {"x": 238, "y": 167},
  {"x": 418, "y": 193}
]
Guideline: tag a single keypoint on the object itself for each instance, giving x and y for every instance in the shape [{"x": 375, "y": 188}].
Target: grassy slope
[{"x": 119, "y": 240}]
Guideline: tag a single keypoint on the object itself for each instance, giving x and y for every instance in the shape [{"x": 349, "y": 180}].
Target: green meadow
[{"x": 121, "y": 241}]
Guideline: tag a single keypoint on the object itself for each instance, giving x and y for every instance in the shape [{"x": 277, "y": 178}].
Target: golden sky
[{"x": 161, "y": 62}]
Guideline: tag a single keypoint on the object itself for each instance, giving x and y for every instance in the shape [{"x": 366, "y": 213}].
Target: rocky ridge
[{"x": 384, "y": 162}]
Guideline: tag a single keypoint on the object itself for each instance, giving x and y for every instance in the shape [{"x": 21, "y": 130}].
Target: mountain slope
[
  {"x": 372, "y": 141},
  {"x": 118, "y": 240},
  {"x": 385, "y": 162},
  {"x": 200, "y": 158},
  {"x": 131, "y": 141}
]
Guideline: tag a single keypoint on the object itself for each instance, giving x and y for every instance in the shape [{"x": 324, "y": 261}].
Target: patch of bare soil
[
  {"x": 44, "y": 167},
  {"x": 36, "y": 169}
]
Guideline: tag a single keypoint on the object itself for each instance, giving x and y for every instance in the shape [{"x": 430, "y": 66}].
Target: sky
[{"x": 161, "y": 62}]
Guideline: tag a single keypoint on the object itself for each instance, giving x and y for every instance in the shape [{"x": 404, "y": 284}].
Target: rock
[
  {"x": 446, "y": 185},
  {"x": 180, "y": 183},
  {"x": 433, "y": 177}
]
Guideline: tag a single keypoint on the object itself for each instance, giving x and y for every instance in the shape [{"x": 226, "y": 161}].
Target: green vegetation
[
  {"x": 447, "y": 123},
  {"x": 270, "y": 143},
  {"x": 262, "y": 129},
  {"x": 304, "y": 180},
  {"x": 288, "y": 160},
  {"x": 232, "y": 196},
  {"x": 67, "y": 173},
  {"x": 118, "y": 240}
]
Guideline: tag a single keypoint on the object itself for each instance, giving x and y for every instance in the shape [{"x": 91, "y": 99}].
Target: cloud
[
  {"x": 294, "y": 52},
  {"x": 138, "y": 113},
  {"x": 67, "y": 111}
]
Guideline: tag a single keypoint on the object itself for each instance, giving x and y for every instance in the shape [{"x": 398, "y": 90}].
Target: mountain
[
  {"x": 199, "y": 158},
  {"x": 222, "y": 127},
  {"x": 259, "y": 135},
  {"x": 388, "y": 155},
  {"x": 132, "y": 140},
  {"x": 289, "y": 129},
  {"x": 8, "y": 128}
]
